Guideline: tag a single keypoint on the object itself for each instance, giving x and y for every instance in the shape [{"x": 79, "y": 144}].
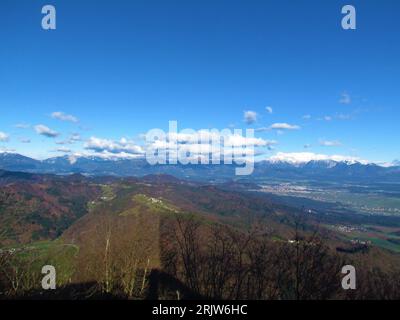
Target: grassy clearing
[
  {"x": 38, "y": 254},
  {"x": 378, "y": 237},
  {"x": 143, "y": 203}
]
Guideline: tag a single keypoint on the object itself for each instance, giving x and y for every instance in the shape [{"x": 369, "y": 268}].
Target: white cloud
[
  {"x": 104, "y": 155},
  {"x": 64, "y": 117},
  {"x": 284, "y": 126},
  {"x": 330, "y": 143},
  {"x": 192, "y": 136},
  {"x": 280, "y": 132},
  {"x": 269, "y": 109},
  {"x": 238, "y": 140},
  {"x": 114, "y": 147},
  {"x": 206, "y": 137},
  {"x": 22, "y": 125},
  {"x": 262, "y": 129},
  {"x": 345, "y": 98},
  {"x": 304, "y": 157},
  {"x": 46, "y": 131},
  {"x": 72, "y": 139},
  {"x": 327, "y": 118},
  {"x": 6, "y": 150},
  {"x": 75, "y": 137},
  {"x": 250, "y": 117},
  {"x": 203, "y": 144},
  {"x": 62, "y": 149},
  {"x": 4, "y": 137}
]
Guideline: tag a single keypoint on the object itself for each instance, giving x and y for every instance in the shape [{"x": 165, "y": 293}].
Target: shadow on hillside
[
  {"x": 164, "y": 286},
  {"x": 160, "y": 286},
  {"x": 76, "y": 291}
]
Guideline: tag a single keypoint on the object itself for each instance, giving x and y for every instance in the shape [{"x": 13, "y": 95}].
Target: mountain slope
[{"x": 34, "y": 207}]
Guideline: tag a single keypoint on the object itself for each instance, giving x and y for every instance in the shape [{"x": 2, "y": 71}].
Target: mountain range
[{"x": 328, "y": 170}]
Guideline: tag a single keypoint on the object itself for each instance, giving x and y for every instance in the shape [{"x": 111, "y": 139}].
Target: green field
[{"x": 38, "y": 254}]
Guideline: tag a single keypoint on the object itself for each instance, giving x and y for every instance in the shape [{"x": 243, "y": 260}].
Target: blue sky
[{"x": 121, "y": 68}]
